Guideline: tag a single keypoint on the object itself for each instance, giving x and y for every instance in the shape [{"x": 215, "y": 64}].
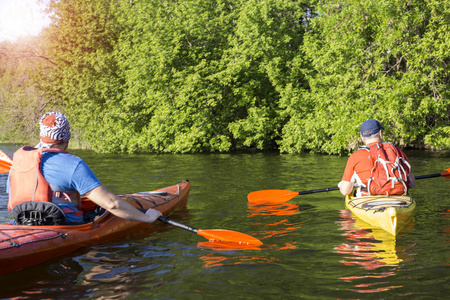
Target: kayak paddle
[
  {"x": 280, "y": 196},
  {"x": 5, "y": 162},
  {"x": 219, "y": 235}
]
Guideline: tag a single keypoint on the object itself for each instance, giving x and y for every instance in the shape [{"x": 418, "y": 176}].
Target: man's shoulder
[
  {"x": 361, "y": 154},
  {"x": 61, "y": 156},
  {"x": 362, "y": 150}
]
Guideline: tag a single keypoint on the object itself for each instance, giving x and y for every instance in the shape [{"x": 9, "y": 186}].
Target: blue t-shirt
[{"x": 68, "y": 172}]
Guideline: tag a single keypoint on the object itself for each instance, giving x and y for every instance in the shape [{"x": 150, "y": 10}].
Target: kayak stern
[{"x": 390, "y": 213}]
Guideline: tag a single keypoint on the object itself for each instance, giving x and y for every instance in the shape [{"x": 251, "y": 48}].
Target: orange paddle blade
[
  {"x": 223, "y": 235},
  {"x": 446, "y": 173},
  {"x": 5, "y": 162},
  {"x": 274, "y": 196}
]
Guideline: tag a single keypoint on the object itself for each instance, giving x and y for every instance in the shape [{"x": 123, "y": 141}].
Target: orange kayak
[
  {"x": 23, "y": 246},
  {"x": 5, "y": 162}
]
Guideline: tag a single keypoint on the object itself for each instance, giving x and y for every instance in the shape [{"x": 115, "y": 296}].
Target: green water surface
[{"x": 313, "y": 247}]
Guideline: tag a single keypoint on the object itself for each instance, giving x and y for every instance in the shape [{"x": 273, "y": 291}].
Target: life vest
[
  {"x": 390, "y": 171},
  {"x": 27, "y": 184}
]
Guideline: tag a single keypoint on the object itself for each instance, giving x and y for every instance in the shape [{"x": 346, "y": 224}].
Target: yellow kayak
[{"x": 390, "y": 213}]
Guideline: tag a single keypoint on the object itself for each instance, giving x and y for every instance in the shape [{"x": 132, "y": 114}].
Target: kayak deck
[
  {"x": 23, "y": 246},
  {"x": 390, "y": 213}
]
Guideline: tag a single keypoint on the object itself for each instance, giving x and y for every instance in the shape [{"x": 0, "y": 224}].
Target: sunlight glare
[{"x": 21, "y": 18}]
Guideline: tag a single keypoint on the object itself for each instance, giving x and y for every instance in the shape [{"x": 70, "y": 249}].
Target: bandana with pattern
[{"x": 54, "y": 129}]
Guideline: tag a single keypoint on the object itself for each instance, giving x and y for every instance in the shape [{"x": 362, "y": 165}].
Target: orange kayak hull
[{"x": 23, "y": 246}]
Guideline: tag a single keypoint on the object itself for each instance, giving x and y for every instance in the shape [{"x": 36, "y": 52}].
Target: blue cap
[{"x": 370, "y": 127}]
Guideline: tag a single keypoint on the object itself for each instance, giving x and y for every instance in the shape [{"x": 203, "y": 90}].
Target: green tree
[
  {"x": 382, "y": 60},
  {"x": 79, "y": 70},
  {"x": 202, "y": 75},
  {"x": 219, "y": 75},
  {"x": 172, "y": 76}
]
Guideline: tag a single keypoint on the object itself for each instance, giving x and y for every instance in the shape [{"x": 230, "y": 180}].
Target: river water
[{"x": 313, "y": 247}]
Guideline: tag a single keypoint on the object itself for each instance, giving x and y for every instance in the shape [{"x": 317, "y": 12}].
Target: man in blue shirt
[{"x": 67, "y": 173}]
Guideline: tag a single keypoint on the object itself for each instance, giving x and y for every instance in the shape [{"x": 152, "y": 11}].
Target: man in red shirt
[{"x": 359, "y": 166}]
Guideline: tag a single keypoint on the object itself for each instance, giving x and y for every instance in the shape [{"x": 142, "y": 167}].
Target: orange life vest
[{"x": 26, "y": 180}]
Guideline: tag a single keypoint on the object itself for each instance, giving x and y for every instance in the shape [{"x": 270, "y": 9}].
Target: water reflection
[
  {"x": 53, "y": 280},
  {"x": 224, "y": 246},
  {"x": 271, "y": 209},
  {"x": 235, "y": 258},
  {"x": 446, "y": 216},
  {"x": 280, "y": 228},
  {"x": 109, "y": 274},
  {"x": 369, "y": 248},
  {"x": 322, "y": 260},
  {"x": 110, "y": 269},
  {"x": 4, "y": 216},
  {"x": 272, "y": 229}
]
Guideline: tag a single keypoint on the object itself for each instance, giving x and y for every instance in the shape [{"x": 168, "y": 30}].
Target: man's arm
[
  {"x": 345, "y": 187},
  {"x": 120, "y": 207}
]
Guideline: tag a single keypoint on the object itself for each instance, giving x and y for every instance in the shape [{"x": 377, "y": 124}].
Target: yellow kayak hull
[{"x": 390, "y": 213}]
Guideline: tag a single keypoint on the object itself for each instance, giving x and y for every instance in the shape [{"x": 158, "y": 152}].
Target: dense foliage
[
  {"x": 194, "y": 75},
  {"x": 386, "y": 60}
]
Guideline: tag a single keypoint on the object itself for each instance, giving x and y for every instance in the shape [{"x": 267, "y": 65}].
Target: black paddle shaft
[
  {"x": 166, "y": 220},
  {"x": 319, "y": 190},
  {"x": 429, "y": 176},
  {"x": 337, "y": 188}
]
